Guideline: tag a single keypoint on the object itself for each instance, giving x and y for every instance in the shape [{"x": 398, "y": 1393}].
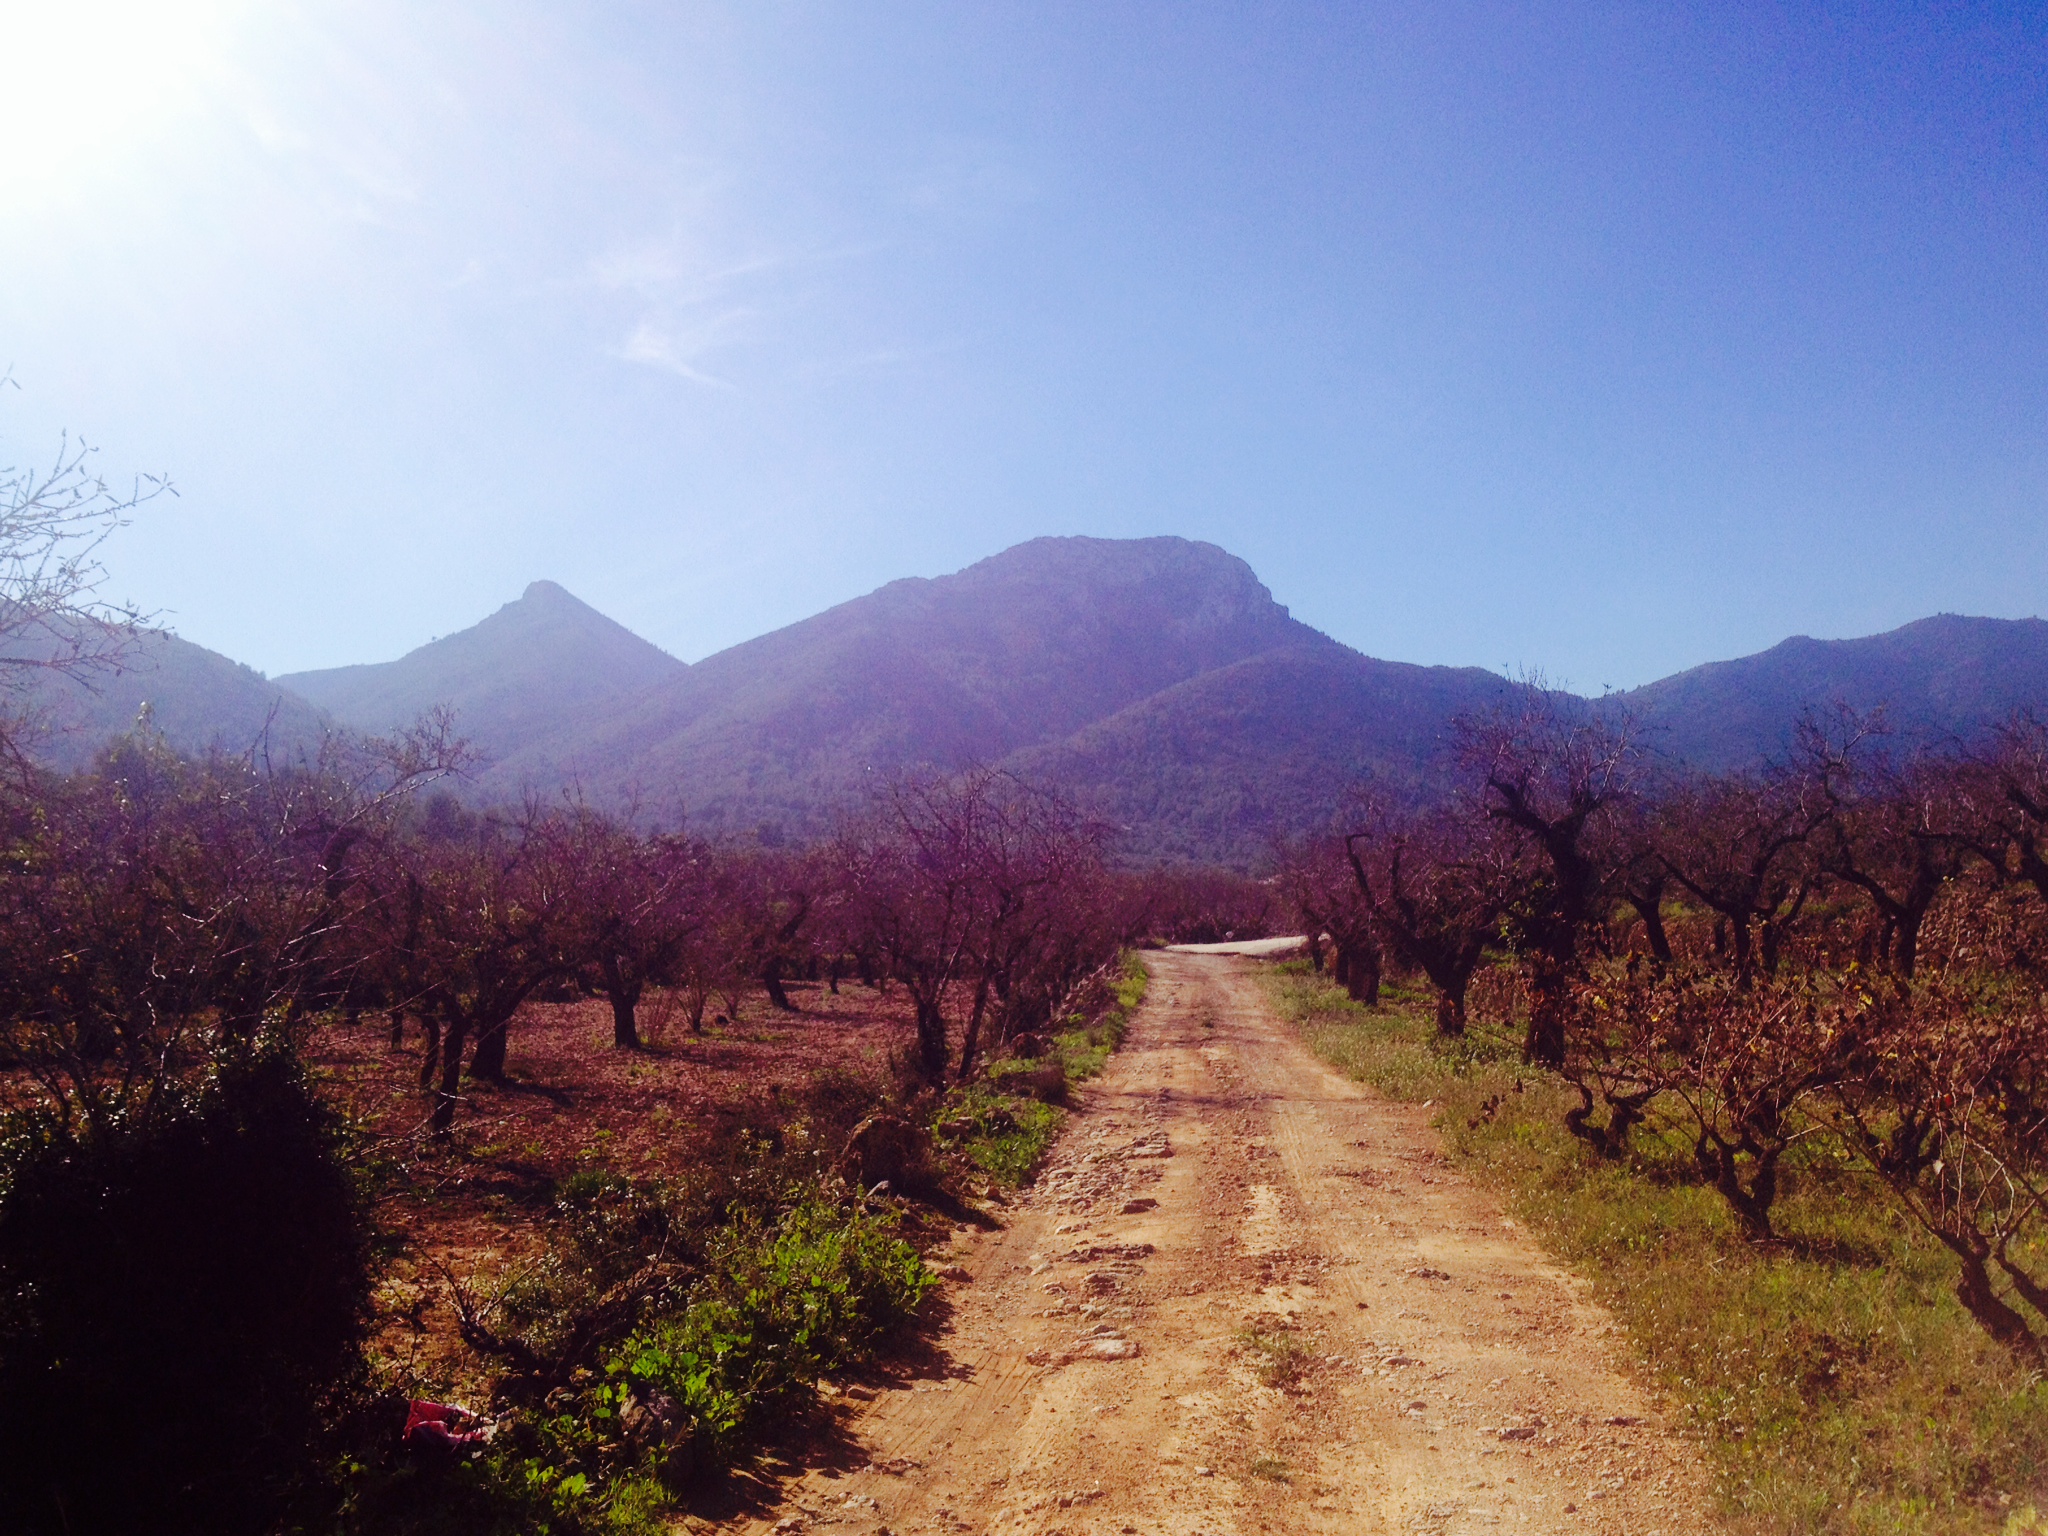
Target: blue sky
[{"x": 1599, "y": 339}]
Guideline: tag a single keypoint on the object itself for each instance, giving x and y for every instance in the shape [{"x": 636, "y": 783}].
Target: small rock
[
  {"x": 1205, "y": 1472},
  {"x": 1519, "y": 1432},
  {"x": 952, "y": 1272},
  {"x": 1110, "y": 1349},
  {"x": 1133, "y": 1207}
]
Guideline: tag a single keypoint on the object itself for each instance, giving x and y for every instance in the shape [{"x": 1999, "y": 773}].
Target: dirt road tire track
[{"x": 1425, "y": 1367}]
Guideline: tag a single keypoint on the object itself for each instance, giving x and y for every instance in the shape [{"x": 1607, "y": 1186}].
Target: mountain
[
  {"x": 1944, "y": 677},
  {"x": 1216, "y": 769},
  {"x": 535, "y": 667},
  {"x": 1019, "y": 650},
  {"x": 198, "y": 698},
  {"x": 1154, "y": 680}
]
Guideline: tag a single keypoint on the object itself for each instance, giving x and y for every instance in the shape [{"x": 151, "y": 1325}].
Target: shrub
[
  {"x": 785, "y": 1303},
  {"x": 183, "y": 1285}
]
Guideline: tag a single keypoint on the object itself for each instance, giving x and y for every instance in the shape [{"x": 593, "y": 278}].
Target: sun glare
[{"x": 85, "y": 84}]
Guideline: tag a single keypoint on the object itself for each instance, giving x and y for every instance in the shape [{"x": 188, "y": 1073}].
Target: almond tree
[
  {"x": 1742, "y": 844},
  {"x": 632, "y": 905},
  {"x": 1999, "y": 808},
  {"x": 1888, "y": 832},
  {"x": 910, "y": 878},
  {"x": 1327, "y": 898},
  {"x": 1045, "y": 919},
  {"x": 1953, "y": 1118},
  {"x": 1750, "y": 1066},
  {"x": 977, "y": 883},
  {"x": 1551, "y": 771},
  {"x": 492, "y": 916},
  {"x": 54, "y": 518},
  {"x": 1437, "y": 884}
]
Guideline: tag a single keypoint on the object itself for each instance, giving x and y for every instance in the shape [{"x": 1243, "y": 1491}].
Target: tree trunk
[
  {"x": 430, "y": 1028},
  {"x": 624, "y": 996},
  {"x": 1358, "y": 967},
  {"x": 450, "y": 1091},
  {"x": 397, "y": 1017},
  {"x": 971, "y": 1041},
  {"x": 1450, "y": 1014},
  {"x": 1981, "y": 1300},
  {"x": 489, "y": 1062},
  {"x": 1651, "y": 911},
  {"x": 1752, "y": 1206},
  {"x": 625, "y": 1025},
  {"x": 931, "y": 1038},
  {"x": 771, "y": 983},
  {"x": 1543, "y": 1044}
]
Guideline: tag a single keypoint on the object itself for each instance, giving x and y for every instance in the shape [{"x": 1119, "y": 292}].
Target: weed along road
[{"x": 1249, "y": 1295}]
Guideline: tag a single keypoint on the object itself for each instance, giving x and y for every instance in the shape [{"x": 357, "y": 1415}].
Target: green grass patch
[
  {"x": 1005, "y": 1135},
  {"x": 1085, "y": 1046},
  {"x": 1007, "y": 1121},
  {"x": 1837, "y": 1384}
]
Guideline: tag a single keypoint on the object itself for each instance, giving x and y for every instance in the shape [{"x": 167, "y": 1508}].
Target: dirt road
[{"x": 1248, "y": 1295}]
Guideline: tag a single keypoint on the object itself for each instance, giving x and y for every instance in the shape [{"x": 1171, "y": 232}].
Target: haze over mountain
[
  {"x": 198, "y": 699},
  {"x": 528, "y": 670},
  {"x": 1016, "y": 651},
  {"x": 1155, "y": 680},
  {"x": 1942, "y": 677}
]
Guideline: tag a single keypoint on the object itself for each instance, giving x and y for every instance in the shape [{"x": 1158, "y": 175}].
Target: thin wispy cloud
[
  {"x": 672, "y": 351},
  {"x": 692, "y": 308}
]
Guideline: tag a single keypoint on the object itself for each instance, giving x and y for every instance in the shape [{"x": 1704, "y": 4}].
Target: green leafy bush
[
  {"x": 785, "y": 1302},
  {"x": 777, "y": 1281},
  {"x": 1004, "y": 1135}
]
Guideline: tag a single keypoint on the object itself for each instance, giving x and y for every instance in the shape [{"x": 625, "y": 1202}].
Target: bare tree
[
  {"x": 55, "y": 517},
  {"x": 1437, "y": 884},
  {"x": 1551, "y": 770},
  {"x": 1742, "y": 845},
  {"x": 1318, "y": 880}
]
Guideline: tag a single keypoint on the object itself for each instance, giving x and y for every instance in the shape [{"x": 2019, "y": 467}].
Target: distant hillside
[
  {"x": 536, "y": 666},
  {"x": 1947, "y": 676},
  {"x": 198, "y": 698},
  {"x": 1217, "y": 768},
  {"x": 1019, "y": 650},
  {"x": 1155, "y": 680}
]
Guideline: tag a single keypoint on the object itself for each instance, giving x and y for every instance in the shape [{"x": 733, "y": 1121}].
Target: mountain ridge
[
  {"x": 1156, "y": 681},
  {"x": 545, "y": 658}
]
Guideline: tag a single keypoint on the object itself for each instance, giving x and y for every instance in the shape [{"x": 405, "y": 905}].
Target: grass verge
[
  {"x": 1835, "y": 1382},
  {"x": 1005, "y": 1122}
]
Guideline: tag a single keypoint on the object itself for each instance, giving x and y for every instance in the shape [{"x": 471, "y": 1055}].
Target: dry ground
[
  {"x": 1248, "y": 1295},
  {"x": 473, "y": 1210}
]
